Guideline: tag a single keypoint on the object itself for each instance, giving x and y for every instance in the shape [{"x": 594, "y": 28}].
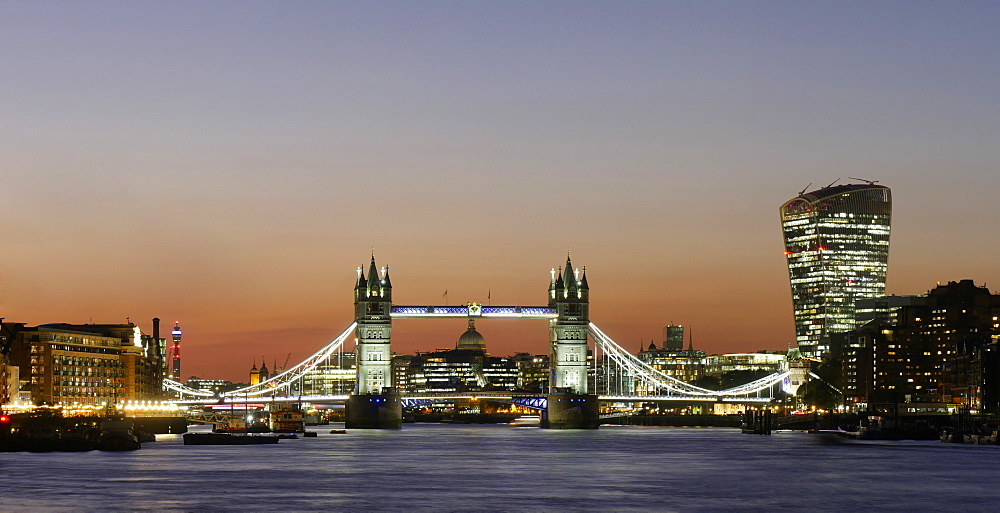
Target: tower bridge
[{"x": 575, "y": 388}]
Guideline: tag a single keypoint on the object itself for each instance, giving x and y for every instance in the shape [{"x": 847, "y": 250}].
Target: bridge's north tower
[
  {"x": 375, "y": 403},
  {"x": 569, "y": 295},
  {"x": 569, "y": 404}
]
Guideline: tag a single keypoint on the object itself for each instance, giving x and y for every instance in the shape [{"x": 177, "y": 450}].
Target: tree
[{"x": 825, "y": 392}]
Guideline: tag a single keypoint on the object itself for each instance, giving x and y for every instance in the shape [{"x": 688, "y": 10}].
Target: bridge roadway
[
  {"x": 473, "y": 310},
  {"x": 409, "y": 400}
]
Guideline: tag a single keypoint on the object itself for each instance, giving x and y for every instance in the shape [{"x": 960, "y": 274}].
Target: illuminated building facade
[
  {"x": 338, "y": 376},
  {"x": 467, "y": 368},
  {"x": 837, "y": 250},
  {"x": 533, "y": 371},
  {"x": 687, "y": 366},
  {"x": 763, "y": 363},
  {"x": 87, "y": 364},
  {"x": 456, "y": 370},
  {"x": 401, "y": 371}
]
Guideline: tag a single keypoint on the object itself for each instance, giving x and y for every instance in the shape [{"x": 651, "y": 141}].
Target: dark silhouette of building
[
  {"x": 673, "y": 338},
  {"x": 943, "y": 350}
]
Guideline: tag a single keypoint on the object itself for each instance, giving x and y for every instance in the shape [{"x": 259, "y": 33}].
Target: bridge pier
[
  {"x": 375, "y": 411},
  {"x": 571, "y": 411}
]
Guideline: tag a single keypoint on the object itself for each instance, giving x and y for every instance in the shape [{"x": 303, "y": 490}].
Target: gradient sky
[{"x": 230, "y": 164}]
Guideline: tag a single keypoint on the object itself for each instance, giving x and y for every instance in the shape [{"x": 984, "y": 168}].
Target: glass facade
[{"x": 837, "y": 249}]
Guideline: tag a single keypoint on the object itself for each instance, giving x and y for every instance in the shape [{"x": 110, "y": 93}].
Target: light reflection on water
[{"x": 503, "y": 468}]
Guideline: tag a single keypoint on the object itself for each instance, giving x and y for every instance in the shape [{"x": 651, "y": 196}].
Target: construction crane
[{"x": 869, "y": 182}]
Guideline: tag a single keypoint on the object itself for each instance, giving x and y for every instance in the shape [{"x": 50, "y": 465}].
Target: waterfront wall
[{"x": 731, "y": 421}]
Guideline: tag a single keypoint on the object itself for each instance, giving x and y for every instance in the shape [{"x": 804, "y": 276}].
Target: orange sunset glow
[{"x": 231, "y": 170}]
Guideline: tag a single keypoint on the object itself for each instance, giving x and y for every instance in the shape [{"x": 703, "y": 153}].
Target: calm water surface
[{"x": 506, "y": 468}]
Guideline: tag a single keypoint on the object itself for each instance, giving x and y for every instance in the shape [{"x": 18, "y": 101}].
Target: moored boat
[{"x": 117, "y": 434}]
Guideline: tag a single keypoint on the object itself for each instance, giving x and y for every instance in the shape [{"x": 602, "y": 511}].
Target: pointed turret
[
  {"x": 361, "y": 279},
  {"x": 386, "y": 284},
  {"x": 374, "y": 287},
  {"x": 254, "y": 373},
  {"x": 559, "y": 285},
  {"x": 583, "y": 281},
  {"x": 569, "y": 278}
]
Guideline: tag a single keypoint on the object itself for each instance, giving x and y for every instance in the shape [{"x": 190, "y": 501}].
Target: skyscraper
[
  {"x": 175, "y": 350},
  {"x": 673, "y": 338},
  {"x": 837, "y": 249}
]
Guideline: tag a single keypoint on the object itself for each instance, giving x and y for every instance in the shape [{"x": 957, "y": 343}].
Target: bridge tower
[
  {"x": 570, "y": 406},
  {"x": 375, "y": 403}
]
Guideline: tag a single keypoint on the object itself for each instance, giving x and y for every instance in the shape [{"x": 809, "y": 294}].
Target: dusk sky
[{"x": 230, "y": 164}]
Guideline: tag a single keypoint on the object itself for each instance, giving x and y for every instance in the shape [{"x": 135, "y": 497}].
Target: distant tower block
[
  {"x": 569, "y": 404},
  {"x": 673, "y": 338},
  {"x": 175, "y": 351},
  {"x": 375, "y": 403}
]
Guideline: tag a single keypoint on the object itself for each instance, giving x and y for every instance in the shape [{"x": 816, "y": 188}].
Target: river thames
[{"x": 507, "y": 468}]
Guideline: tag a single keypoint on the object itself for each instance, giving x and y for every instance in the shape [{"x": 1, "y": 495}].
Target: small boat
[
  {"x": 338, "y": 431},
  {"x": 227, "y": 439},
  {"x": 309, "y": 434},
  {"x": 117, "y": 435},
  {"x": 287, "y": 420}
]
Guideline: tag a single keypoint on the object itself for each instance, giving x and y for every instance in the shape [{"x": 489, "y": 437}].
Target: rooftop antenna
[
  {"x": 690, "y": 338},
  {"x": 803, "y": 191},
  {"x": 831, "y": 183},
  {"x": 869, "y": 182}
]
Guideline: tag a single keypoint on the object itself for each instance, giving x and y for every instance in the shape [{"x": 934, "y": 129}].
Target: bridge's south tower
[
  {"x": 569, "y": 404},
  {"x": 375, "y": 403}
]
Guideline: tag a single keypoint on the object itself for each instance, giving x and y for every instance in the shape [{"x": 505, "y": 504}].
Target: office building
[
  {"x": 837, "y": 251},
  {"x": 943, "y": 349},
  {"x": 673, "y": 338},
  {"x": 87, "y": 364}
]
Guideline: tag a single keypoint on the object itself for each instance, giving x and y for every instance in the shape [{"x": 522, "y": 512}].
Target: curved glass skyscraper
[{"x": 837, "y": 248}]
